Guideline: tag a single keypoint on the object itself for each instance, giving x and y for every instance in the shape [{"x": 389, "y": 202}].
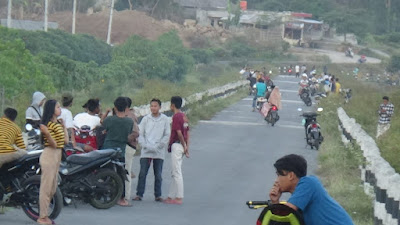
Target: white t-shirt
[
  {"x": 66, "y": 115},
  {"x": 297, "y": 68},
  {"x": 85, "y": 118}
]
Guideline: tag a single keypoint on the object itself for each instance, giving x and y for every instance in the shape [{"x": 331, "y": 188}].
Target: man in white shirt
[
  {"x": 154, "y": 132},
  {"x": 66, "y": 116},
  {"x": 89, "y": 118}
]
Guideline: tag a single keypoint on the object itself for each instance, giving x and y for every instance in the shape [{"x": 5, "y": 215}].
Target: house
[
  {"x": 191, "y": 6},
  {"x": 303, "y": 30}
]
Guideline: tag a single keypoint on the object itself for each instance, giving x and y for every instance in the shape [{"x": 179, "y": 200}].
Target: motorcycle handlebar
[{"x": 256, "y": 203}]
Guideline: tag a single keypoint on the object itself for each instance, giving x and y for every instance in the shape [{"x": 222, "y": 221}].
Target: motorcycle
[
  {"x": 313, "y": 87},
  {"x": 272, "y": 116},
  {"x": 305, "y": 96},
  {"x": 362, "y": 59},
  {"x": 349, "y": 53},
  {"x": 33, "y": 138},
  {"x": 276, "y": 213},
  {"x": 20, "y": 186},
  {"x": 96, "y": 177},
  {"x": 312, "y": 129},
  {"x": 86, "y": 135}
]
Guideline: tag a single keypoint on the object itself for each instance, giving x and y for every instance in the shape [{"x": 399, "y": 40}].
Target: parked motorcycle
[
  {"x": 305, "y": 96},
  {"x": 272, "y": 116},
  {"x": 19, "y": 187},
  {"x": 312, "y": 129},
  {"x": 33, "y": 138},
  {"x": 96, "y": 177}
]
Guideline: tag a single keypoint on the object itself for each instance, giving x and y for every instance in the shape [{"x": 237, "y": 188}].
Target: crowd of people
[{"x": 117, "y": 127}]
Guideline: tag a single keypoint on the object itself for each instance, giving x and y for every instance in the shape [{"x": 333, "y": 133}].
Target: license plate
[{"x": 314, "y": 129}]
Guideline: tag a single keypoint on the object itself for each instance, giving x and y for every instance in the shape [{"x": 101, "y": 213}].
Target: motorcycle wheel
[
  {"x": 31, "y": 207},
  {"x": 308, "y": 102},
  {"x": 110, "y": 180},
  {"x": 316, "y": 145}
]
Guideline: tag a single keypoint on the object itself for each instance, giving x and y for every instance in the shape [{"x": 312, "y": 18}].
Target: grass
[
  {"x": 338, "y": 166},
  {"x": 364, "y": 106}
]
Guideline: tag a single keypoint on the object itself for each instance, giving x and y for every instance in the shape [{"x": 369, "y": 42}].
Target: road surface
[{"x": 231, "y": 162}]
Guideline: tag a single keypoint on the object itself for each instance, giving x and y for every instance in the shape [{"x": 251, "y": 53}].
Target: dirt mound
[
  {"x": 125, "y": 23},
  {"x": 129, "y": 22}
]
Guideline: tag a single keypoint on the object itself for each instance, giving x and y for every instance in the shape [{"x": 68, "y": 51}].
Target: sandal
[
  {"x": 159, "y": 199},
  {"x": 124, "y": 203},
  {"x": 173, "y": 202},
  {"x": 137, "y": 198}
]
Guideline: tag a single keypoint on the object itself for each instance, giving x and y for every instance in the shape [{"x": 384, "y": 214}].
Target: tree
[{"x": 348, "y": 21}]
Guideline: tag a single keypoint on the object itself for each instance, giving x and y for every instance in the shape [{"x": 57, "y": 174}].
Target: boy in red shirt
[{"x": 178, "y": 147}]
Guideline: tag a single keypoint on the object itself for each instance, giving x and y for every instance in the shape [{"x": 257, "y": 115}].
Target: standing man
[
  {"x": 178, "y": 147},
  {"x": 153, "y": 137},
  {"x": 297, "y": 69},
  {"x": 386, "y": 110},
  {"x": 117, "y": 128},
  {"x": 12, "y": 145}
]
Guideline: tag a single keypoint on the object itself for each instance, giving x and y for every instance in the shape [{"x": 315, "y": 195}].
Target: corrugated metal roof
[
  {"x": 203, "y": 3},
  {"x": 309, "y": 21}
]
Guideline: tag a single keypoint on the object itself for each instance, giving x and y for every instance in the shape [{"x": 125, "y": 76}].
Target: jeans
[{"x": 144, "y": 169}]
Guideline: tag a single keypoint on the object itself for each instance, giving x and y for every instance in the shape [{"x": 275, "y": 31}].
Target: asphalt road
[{"x": 231, "y": 162}]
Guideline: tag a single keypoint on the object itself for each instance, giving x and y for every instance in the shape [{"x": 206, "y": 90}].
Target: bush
[
  {"x": 80, "y": 47},
  {"x": 394, "y": 64},
  {"x": 205, "y": 56},
  {"x": 165, "y": 58}
]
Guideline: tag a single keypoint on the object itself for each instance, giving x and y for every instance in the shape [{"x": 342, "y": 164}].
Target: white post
[
  {"x": 46, "y": 11},
  {"x": 73, "y": 17},
  {"x": 9, "y": 13},
  {"x": 110, "y": 22}
]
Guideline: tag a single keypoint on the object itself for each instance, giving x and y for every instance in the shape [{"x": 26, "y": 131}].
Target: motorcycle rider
[
  {"x": 303, "y": 82},
  {"x": 89, "y": 118},
  {"x": 261, "y": 88},
  {"x": 34, "y": 112},
  {"x": 274, "y": 98},
  {"x": 11, "y": 143}
]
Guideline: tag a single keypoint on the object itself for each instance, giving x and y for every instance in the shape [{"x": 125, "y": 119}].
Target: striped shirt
[
  {"x": 10, "y": 135},
  {"x": 384, "y": 118},
  {"x": 57, "y": 133}
]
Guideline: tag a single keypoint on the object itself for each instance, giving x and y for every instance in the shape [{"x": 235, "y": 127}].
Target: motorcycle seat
[
  {"x": 33, "y": 155},
  {"x": 310, "y": 114},
  {"x": 82, "y": 159}
]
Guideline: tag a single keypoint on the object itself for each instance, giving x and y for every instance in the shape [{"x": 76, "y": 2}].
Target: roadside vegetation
[
  {"x": 56, "y": 62},
  {"x": 339, "y": 166},
  {"x": 367, "y": 96}
]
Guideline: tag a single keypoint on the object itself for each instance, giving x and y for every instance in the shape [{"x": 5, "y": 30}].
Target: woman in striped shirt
[{"x": 55, "y": 136}]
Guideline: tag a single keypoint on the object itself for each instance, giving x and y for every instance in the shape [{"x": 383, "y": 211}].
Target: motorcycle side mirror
[
  {"x": 28, "y": 127},
  {"x": 320, "y": 109},
  {"x": 299, "y": 109}
]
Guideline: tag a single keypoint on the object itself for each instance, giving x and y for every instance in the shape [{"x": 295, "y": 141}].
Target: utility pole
[
  {"x": 110, "y": 22},
  {"x": 46, "y": 11},
  {"x": 73, "y": 17},
  {"x": 9, "y": 13}
]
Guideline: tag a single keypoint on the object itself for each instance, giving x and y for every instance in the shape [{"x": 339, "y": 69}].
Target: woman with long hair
[{"x": 55, "y": 137}]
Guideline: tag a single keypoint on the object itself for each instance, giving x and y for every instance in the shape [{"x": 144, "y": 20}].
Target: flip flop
[
  {"x": 173, "y": 202},
  {"x": 159, "y": 199},
  {"x": 137, "y": 198}
]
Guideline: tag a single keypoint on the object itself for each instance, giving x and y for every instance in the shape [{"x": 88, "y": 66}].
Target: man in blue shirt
[
  {"x": 308, "y": 194},
  {"x": 261, "y": 88}
]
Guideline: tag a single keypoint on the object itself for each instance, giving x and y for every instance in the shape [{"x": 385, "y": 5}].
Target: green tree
[{"x": 20, "y": 72}]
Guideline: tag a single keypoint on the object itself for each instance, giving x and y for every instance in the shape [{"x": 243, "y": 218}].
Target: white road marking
[
  {"x": 287, "y": 76},
  {"x": 231, "y": 123},
  {"x": 285, "y": 81},
  {"x": 292, "y": 91},
  {"x": 235, "y": 123}
]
